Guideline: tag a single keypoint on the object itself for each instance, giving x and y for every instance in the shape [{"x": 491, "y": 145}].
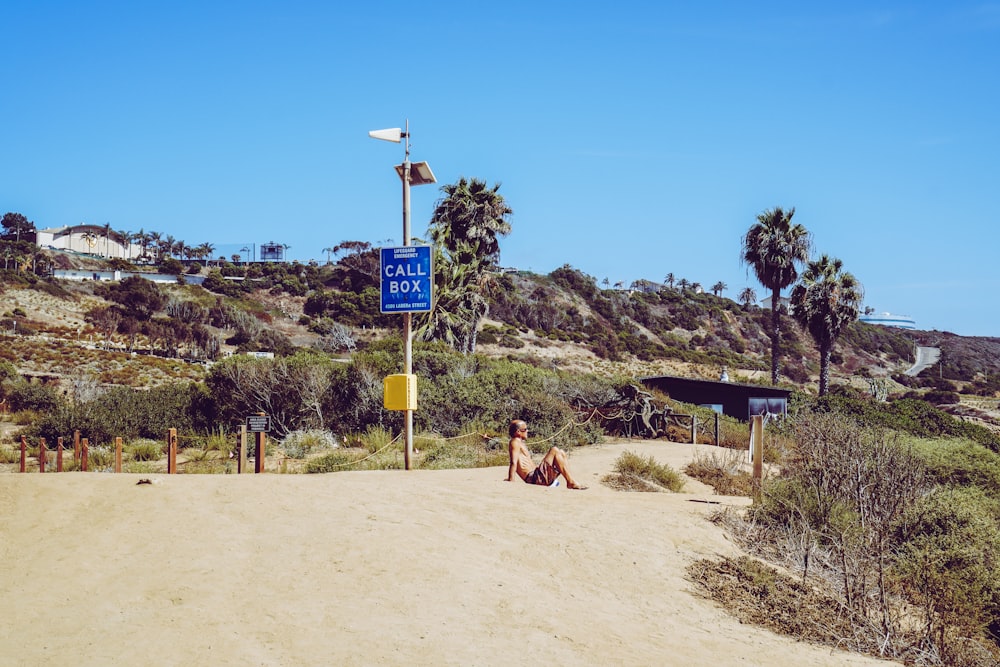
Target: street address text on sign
[{"x": 407, "y": 279}]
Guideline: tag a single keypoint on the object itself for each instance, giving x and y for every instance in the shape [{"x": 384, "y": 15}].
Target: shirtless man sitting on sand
[{"x": 553, "y": 464}]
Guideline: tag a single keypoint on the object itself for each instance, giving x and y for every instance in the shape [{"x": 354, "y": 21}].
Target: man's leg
[{"x": 558, "y": 460}]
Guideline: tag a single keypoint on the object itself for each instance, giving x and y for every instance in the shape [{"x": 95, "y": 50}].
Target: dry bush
[{"x": 724, "y": 470}]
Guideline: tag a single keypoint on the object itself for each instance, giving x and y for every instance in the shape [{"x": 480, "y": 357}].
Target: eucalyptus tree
[
  {"x": 825, "y": 302},
  {"x": 465, "y": 228},
  {"x": 773, "y": 247}
]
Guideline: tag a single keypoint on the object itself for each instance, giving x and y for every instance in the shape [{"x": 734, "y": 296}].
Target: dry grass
[
  {"x": 760, "y": 595},
  {"x": 724, "y": 470},
  {"x": 635, "y": 473}
]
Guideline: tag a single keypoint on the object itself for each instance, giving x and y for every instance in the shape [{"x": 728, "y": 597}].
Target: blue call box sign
[{"x": 407, "y": 279}]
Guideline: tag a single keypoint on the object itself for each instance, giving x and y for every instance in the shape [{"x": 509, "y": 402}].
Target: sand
[{"x": 450, "y": 567}]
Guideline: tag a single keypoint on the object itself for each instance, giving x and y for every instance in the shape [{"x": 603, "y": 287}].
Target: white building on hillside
[
  {"x": 890, "y": 320},
  {"x": 89, "y": 240}
]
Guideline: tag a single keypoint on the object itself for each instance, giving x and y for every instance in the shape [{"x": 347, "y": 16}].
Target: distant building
[
  {"x": 272, "y": 252},
  {"x": 86, "y": 239},
  {"x": 116, "y": 276},
  {"x": 730, "y": 398},
  {"x": 783, "y": 302},
  {"x": 890, "y": 320}
]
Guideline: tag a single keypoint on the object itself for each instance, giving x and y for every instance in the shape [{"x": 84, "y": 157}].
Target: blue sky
[{"x": 632, "y": 139}]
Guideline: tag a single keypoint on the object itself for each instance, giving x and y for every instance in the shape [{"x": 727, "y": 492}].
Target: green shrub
[
  {"x": 302, "y": 444},
  {"x": 351, "y": 458},
  {"x": 100, "y": 459},
  {"x": 958, "y": 462},
  {"x": 23, "y": 395},
  {"x": 145, "y": 450},
  {"x": 948, "y": 564}
]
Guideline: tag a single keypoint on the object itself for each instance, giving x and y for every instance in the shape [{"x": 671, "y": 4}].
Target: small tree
[
  {"x": 825, "y": 303},
  {"x": 15, "y": 225}
]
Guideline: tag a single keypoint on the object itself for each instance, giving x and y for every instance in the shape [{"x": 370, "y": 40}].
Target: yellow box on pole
[{"x": 400, "y": 392}]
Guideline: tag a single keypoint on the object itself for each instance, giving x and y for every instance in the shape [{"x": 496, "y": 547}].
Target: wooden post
[
  {"x": 259, "y": 451},
  {"x": 757, "y": 449},
  {"x": 118, "y": 454},
  {"x": 76, "y": 446},
  {"x": 24, "y": 453},
  {"x": 241, "y": 448},
  {"x": 84, "y": 448},
  {"x": 694, "y": 429},
  {"x": 716, "y": 429},
  {"x": 172, "y": 451},
  {"x": 59, "y": 454},
  {"x": 43, "y": 455}
]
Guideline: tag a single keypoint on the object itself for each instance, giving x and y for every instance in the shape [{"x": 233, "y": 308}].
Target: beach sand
[{"x": 454, "y": 567}]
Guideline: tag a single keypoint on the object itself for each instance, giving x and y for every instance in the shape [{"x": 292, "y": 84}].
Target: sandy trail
[{"x": 401, "y": 568}]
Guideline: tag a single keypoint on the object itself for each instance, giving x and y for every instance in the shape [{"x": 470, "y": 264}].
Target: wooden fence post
[
  {"x": 172, "y": 451},
  {"x": 694, "y": 429},
  {"x": 241, "y": 447},
  {"x": 59, "y": 454},
  {"x": 24, "y": 453},
  {"x": 76, "y": 446},
  {"x": 757, "y": 449},
  {"x": 118, "y": 454},
  {"x": 84, "y": 449},
  {"x": 43, "y": 455},
  {"x": 716, "y": 429},
  {"x": 260, "y": 451}
]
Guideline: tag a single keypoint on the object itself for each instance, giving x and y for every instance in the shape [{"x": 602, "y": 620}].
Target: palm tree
[
  {"x": 126, "y": 237},
  {"x": 670, "y": 279},
  {"x": 825, "y": 302},
  {"x": 107, "y": 240},
  {"x": 748, "y": 297},
  {"x": 169, "y": 244},
  {"x": 465, "y": 228},
  {"x": 719, "y": 287},
  {"x": 772, "y": 247},
  {"x": 683, "y": 284},
  {"x": 153, "y": 240},
  {"x": 474, "y": 215}
]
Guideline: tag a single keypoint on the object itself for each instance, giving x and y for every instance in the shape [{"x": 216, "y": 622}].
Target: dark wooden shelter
[{"x": 729, "y": 398}]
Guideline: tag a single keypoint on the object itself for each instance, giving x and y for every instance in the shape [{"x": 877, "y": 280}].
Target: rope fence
[{"x": 82, "y": 450}]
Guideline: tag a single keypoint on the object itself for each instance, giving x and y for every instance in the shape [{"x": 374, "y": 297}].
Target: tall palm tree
[
  {"x": 126, "y": 237},
  {"x": 683, "y": 284},
  {"x": 719, "y": 287},
  {"x": 824, "y": 302},
  {"x": 465, "y": 228},
  {"x": 670, "y": 279},
  {"x": 772, "y": 247},
  {"x": 153, "y": 241}
]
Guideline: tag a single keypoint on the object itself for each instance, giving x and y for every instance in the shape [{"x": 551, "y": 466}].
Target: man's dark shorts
[{"x": 543, "y": 475}]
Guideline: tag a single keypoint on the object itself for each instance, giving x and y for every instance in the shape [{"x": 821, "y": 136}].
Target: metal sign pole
[{"x": 407, "y": 316}]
